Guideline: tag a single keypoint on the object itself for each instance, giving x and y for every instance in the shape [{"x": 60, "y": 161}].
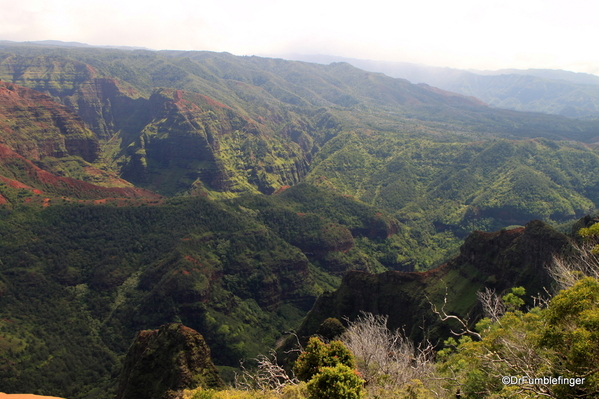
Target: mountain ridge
[
  {"x": 214, "y": 124},
  {"x": 571, "y": 94}
]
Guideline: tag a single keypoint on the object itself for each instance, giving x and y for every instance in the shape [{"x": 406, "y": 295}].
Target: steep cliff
[
  {"x": 171, "y": 358},
  {"x": 104, "y": 103},
  {"x": 194, "y": 143}
]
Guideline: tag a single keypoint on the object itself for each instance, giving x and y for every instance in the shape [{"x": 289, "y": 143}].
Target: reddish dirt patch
[
  {"x": 213, "y": 102},
  {"x": 25, "y": 396},
  {"x": 15, "y": 183},
  {"x": 192, "y": 260},
  {"x": 281, "y": 189},
  {"x": 76, "y": 187}
]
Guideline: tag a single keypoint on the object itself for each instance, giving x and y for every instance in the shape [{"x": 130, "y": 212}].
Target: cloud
[{"x": 462, "y": 33}]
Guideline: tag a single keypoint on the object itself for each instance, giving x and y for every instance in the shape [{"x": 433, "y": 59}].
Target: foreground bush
[
  {"x": 298, "y": 391},
  {"x": 561, "y": 340},
  {"x": 339, "y": 382},
  {"x": 318, "y": 355}
]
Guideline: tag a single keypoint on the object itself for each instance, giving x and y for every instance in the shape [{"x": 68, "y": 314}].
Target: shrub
[
  {"x": 318, "y": 355},
  {"x": 387, "y": 359},
  {"x": 338, "y": 382}
]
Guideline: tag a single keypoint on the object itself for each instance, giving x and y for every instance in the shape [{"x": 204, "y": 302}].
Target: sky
[{"x": 477, "y": 34}]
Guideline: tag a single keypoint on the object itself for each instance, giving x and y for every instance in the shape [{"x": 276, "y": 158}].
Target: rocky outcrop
[
  {"x": 105, "y": 104},
  {"x": 171, "y": 141},
  {"x": 163, "y": 361}
]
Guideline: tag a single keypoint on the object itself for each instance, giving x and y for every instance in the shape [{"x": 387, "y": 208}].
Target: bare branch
[
  {"x": 299, "y": 348},
  {"x": 387, "y": 359},
  {"x": 567, "y": 270},
  {"x": 444, "y": 317},
  {"x": 542, "y": 300},
  {"x": 493, "y": 306},
  {"x": 268, "y": 376}
]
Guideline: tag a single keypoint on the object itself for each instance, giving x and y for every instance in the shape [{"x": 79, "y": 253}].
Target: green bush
[
  {"x": 318, "y": 355},
  {"x": 204, "y": 394},
  {"x": 338, "y": 382}
]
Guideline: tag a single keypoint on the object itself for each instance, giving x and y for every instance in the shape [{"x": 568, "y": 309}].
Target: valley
[{"x": 244, "y": 197}]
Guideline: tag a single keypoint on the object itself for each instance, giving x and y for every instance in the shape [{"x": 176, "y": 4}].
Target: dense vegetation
[
  {"x": 78, "y": 281},
  {"x": 443, "y": 191},
  {"x": 213, "y": 124},
  {"x": 546, "y": 351}
]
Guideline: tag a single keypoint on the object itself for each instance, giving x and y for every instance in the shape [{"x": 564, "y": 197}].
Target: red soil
[
  {"x": 25, "y": 396},
  {"x": 281, "y": 189},
  {"x": 77, "y": 187},
  {"x": 14, "y": 183}
]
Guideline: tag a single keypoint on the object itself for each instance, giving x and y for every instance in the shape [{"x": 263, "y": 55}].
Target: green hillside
[
  {"x": 498, "y": 261},
  {"x": 443, "y": 191}
]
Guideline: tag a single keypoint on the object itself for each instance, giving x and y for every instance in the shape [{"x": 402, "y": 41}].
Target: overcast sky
[{"x": 481, "y": 34}]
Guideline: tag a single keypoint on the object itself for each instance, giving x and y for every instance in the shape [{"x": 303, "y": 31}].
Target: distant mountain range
[
  {"x": 559, "y": 92},
  {"x": 60, "y": 43}
]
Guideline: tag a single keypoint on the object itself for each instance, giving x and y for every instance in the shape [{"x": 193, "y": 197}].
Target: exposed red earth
[
  {"x": 47, "y": 184},
  {"x": 35, "y": 125},
  {"x": 25, "y": 396}
]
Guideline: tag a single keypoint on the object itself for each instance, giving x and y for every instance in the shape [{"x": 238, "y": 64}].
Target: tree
[
  {"x": 572, "y": 333},
  {"x": 560, "y": 342},
  {"x": 330, "y": 370},
  {"x": 582, "y": 261}
]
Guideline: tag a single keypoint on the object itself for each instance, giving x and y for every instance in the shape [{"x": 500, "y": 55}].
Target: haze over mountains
[
  {"x": 570, "y": 94},
  {"x": 229, "y": 193}
]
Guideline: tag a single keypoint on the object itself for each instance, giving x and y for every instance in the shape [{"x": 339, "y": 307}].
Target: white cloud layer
[{"x": 478, "y": 34}]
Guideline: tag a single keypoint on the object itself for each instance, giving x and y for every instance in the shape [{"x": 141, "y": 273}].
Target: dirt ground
[{"x": 25, "y": 396}]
